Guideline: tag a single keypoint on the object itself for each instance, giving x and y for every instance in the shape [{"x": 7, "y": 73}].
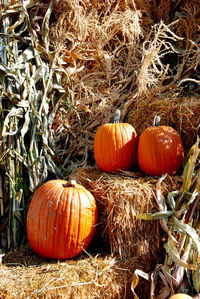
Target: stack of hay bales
[{"x": 117, "y": 55}]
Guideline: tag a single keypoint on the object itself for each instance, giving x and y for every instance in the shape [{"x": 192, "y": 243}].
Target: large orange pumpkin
[
  {"x": 61, "y": 219},
  {"x": 115, "y": 146},
  {"x": 160, "y": 150},
  {"x": 180, "y": 296}
]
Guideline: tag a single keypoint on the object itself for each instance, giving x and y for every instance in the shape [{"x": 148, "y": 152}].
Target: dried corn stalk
[
  {"x": 179, "y": 217},
  {"x": 31, "y": 85}
]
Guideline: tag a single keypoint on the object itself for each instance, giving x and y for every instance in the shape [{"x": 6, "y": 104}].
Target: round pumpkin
[
  {"x": 180, "y": 296},
  {"x": 115, "y": 146},
  {"x": 61, "y": 219},
  {"x": 160, "y": 150}
]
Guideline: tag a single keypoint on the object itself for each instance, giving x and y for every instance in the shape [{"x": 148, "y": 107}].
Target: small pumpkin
[
  {"x": 115, "y": 146},
  {"x": 61, "y": 219},
  {"x": 160, "y": 150},
  {"x": 180, "y": 296}
]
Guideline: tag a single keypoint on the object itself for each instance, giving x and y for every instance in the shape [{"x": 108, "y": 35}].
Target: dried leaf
[
  {"x": 134, "y": 283},
  {"x": 132, "y": 173},
  {"x": 190, "y": 165},
  {"x": 160, "y": 199},
  {"x": 178, "y": 275},
  {"x": 154, "y": 216},
  {"x": 137, "y": 273},
  {"x": 190, "y": 231},
  {"x": 174, "y": 255},
  {"x": 196, "y": 280}
]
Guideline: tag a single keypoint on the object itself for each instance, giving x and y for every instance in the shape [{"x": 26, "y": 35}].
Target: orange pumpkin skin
[
  {"x": 61, "y": 218},
  {"x": 160, "y": 151},
  {"x": 115, "y": 147},
  {"x": 180, "y": 296}
]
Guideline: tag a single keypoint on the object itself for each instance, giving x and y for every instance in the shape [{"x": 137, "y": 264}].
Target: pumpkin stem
[
  {"x": 71, "y": 183},
  {"x": 117, "y": 116},
  {"x": 156, "y": 121}
]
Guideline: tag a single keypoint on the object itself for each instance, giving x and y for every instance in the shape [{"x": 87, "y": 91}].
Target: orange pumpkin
[
  {"x": 61, "y": 219},
  {"x": 180, "y": 296},
  {"x": 115, "y": 146},
  {"x": 160, "y": 150}
]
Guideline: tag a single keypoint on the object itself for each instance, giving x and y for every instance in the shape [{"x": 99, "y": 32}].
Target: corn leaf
[
  {"x": 174, "y": 255},
  {"x": 190, "y": 165},
  {"x": 190, "y": 231},
  {"x": 154, "y": 216}
]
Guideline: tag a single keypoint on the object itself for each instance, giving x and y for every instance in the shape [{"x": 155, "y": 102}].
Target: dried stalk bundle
[
  {"x": 180, "y": 113},
  {"x": 117, "y": 197},
  {"x": 180, "y": 219},
  {"x": 31, "y": 84},
  {"x": 25, "y": 275}
]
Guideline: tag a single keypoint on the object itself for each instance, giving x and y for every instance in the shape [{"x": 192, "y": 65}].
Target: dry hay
[
  {"x": 180, "y": 113},
  {"x": 117, "y": 195},
  {"x": 24, "y": 274},
  {"x": 117, "y": 52}
]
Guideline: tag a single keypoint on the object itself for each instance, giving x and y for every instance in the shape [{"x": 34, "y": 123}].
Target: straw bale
[
  {"x": 24, "y": 274},
  {"x": 180, "y": 113},
  {"x": 117, "y": 195},
  {"x": 29, "y": 275}
]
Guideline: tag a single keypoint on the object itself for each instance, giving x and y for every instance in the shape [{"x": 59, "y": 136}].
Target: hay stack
[
  {"x": 117, "y": 195},
  {"x": 180, "y": 113},
  {"x": 115, "y": 53},
  {"x": 26, "y": 275}
]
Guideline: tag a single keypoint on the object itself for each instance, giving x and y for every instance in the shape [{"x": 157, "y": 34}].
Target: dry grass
[
  {"x": 24, "y": 274},
  {"x": 118, "y": 53}
]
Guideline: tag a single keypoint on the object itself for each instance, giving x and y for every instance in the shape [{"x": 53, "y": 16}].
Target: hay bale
[
  {"x": 26, "y": 275},
  {"x": 117, "y": 195},
  {"x": 180, "y": 113}
]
